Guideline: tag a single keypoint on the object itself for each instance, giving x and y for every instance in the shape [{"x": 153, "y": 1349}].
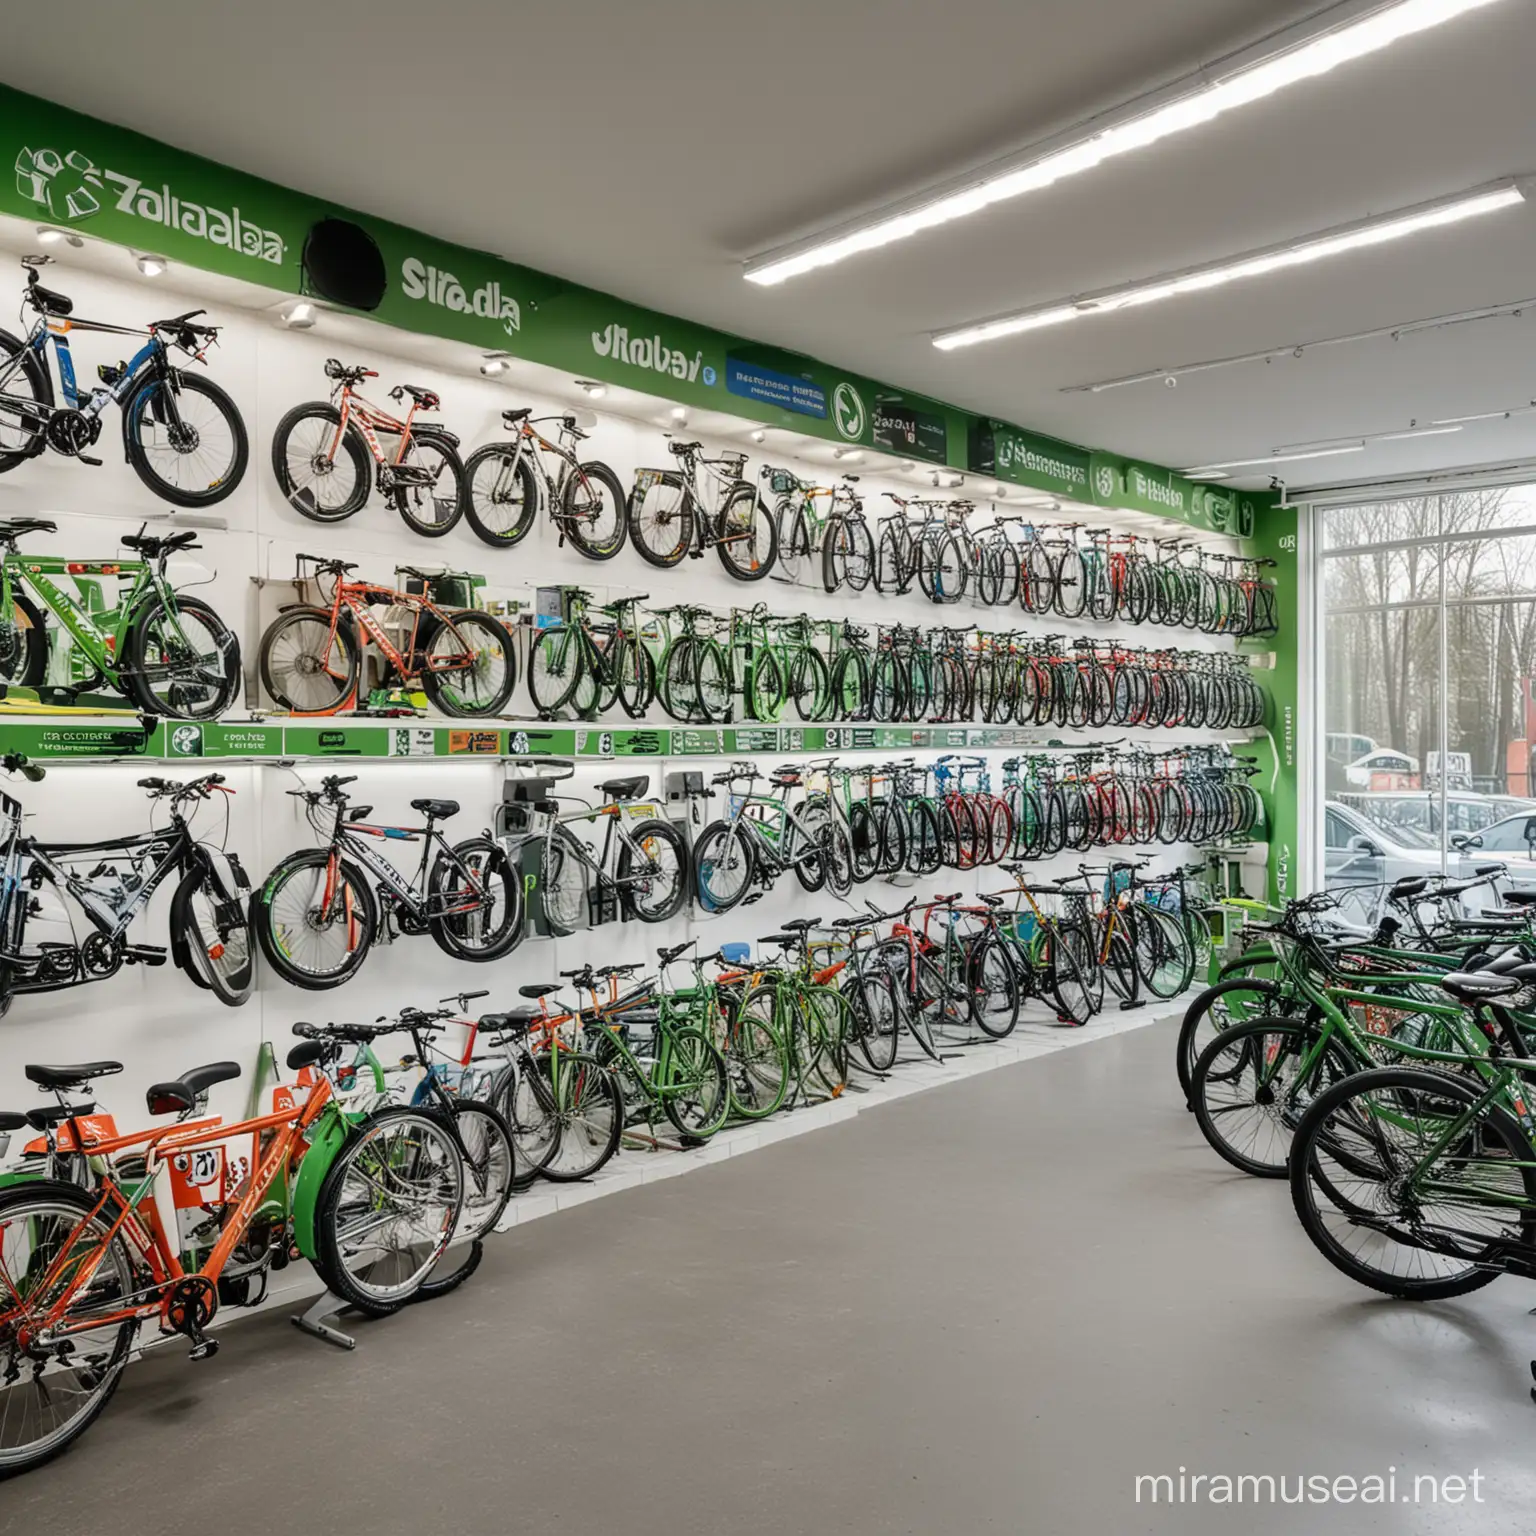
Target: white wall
[{"x": 155, "y": 1020}]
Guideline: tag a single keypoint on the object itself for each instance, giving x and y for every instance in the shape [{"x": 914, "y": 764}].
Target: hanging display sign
[{"x": 79, "y": 173}]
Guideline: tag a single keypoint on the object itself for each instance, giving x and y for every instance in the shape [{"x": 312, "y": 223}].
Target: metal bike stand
[{"x": 313, "y": 1320}]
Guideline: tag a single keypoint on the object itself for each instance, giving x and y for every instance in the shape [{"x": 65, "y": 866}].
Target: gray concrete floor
[{"x": 983, "y": 1308}]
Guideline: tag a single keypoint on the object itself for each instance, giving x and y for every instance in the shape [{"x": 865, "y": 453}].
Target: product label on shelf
[
  {"x": 337, "y": 741},
  {"x": 413, "y": 741},
  {"x": 755, "y": 738},
  {"x": 474, "y": 743},
  {"x": 698, "y": 743}
]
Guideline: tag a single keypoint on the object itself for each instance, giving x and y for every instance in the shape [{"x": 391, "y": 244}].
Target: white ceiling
[{"x": 649, "y": 148}]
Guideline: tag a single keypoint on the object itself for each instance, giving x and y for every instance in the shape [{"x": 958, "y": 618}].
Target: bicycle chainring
[
  {"x": 191, "y": 1305},
  {"x": 71, "y": 432},
  {"x": 101, "y": 955}
]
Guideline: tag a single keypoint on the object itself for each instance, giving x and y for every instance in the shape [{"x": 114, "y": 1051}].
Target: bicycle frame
[
  {"x": 102, "y": 646},
  {"x": 139, "y": 1221},
  {"x": 45, "y": 330},
  {"x": 369, "y": 420}
]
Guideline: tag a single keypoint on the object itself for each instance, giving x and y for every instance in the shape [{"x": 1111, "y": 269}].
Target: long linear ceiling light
[
  {"x": 1377, "y": 230},
  {"x": 1299, "y": 349},
  {"x": 1327, "y": 448},
  {"x": 1338, "y": 35}
]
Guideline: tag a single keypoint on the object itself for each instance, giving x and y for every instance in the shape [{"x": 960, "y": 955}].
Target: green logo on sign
[
  {"x": 1104, "y": 482},
  {"x": 187, "y": 741},
  {"x": 848, "y": 411},
  {"x": 66, "y": 185}
]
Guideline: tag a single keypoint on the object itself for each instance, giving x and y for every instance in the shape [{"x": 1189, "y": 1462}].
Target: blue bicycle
[{"x": 182, "y": 434}]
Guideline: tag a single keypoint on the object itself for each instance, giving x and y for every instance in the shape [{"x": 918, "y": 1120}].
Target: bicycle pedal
[
  {"x": 204, "y": 1349},
  {"x": 85, "y": 458},
  {"x": 145, "y": 954}
]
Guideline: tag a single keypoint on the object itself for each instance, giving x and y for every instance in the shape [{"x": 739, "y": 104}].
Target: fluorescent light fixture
[
  {"x": 1206, "y": 471},
  {"x": 300, "y": 316},
  {"x": 1397, "y": 437},
  {"x": 1341, "y": 35},
  {"x": 592, "y": 389},
  {"x": 151, "y": 266},
  {"x": 1457, "y": 421},
  {"x": 1377, "y": 230},
  {"x": 1208, "y": 474},
  {"x": 1299, "y": 349},
  {"x": 48, "y": 235}
]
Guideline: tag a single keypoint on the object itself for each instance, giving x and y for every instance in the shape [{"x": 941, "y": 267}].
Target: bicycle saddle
[
  {"x": 427, "y": 399},
  {"x": 48, "y": 301},
  {"x": 626, "y": 789},
  {"x": 800, "y": 924},
  {"x": 151, "y": 544},
  {"x": 10, "y": 1120},
  {"x": 70, "y": 1077},
  {"x": 511, "y": 418},
  {"x": 56, "y": 1114},
  {"x": 14, "y": 527},
  {"x": 183, "y": 1092},
  {"x": 539, "y": 989},
  {"x": 436, "y": 810},
  {"x": 784, "y": 940},
  {"x": 1483, "y": 986},
  {"x": 307, "y": 1052},
  {"x": 1409, "y": 885},
  {"x": 515, "y": 1021}
]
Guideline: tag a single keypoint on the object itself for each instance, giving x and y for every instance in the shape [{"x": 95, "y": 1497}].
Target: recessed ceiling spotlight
[
  {"x": 592, "y": 389},
  {"x": 1000, "y": 491},
  {"x": 759, "y": 435},
  {"x": 848, "y": 455},
  {"x": 493, "y": 364},
  {"x": 48, "y": 235},
  {"x": 300, "y": 316},
  {"x": 151, "y": 266},
  {"x": 907, "y": 466},
  {"x": 680, "y": 415}
]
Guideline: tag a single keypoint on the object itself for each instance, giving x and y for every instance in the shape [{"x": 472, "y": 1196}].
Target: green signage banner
[{"x": 1026, "y": 458}]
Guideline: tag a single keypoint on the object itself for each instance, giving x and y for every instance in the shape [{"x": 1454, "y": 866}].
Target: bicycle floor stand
[{"x": 314, "y": 1320}]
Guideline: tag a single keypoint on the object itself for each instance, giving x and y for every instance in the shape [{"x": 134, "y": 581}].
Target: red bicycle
[
  {"x": 321, "y": 449},
  {"x": 311, "y": 659}
]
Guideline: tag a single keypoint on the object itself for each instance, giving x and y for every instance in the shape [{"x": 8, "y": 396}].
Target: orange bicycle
[
  {"x": 321, "y": 449},
  {"x": 311, "y": 658},
  {"x": 86, "y": 1255}
]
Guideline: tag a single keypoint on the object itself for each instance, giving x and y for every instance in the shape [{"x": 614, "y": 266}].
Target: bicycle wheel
[
  {"x": 589, "y": 1100},
  {"x": 216, "y": 936},
  {"x": 186, "y": 440},
  {"x": 652, "y": 872},
  {"x": 1075, "y": 941},
  {"x": 323, "y": 471},
  {"x": 180, "y": 659},
  {"x": 810, "y": 686},
  {"x": 660, "y": 518},
  {"x": 592, "y": 511},
  {"x": 827, "y": 1027},
  {"x": 485, "y": 1145},
  {"x": 1120, "y": 968},
  {"x": 1253, "y": 1083},
  {"x": 634, "y": 675},
  {"x": 501, "y": 494},
  {"x": 756, "y": 1065},
  {"x": 695, "y": 1091},
  {"x": 477, "y": 902},
  {"x": 875, "y": 1022},
  {"x": 724, "y": 864},
  {"x": 387, "y": 1209},
  {"x": 23, "y": 644},
  {"x": 51, "y": 1393},
  {"x": 1393, "y": 1209},
  {"x": 429, "y": 490},
  {"x": 555, "y": 666},
  {"x": 315, "y": 920},
  {"x": 563, "y": 883},
  {"x": 994, "y": 986},
  {"x": 747, "y": 535},
  {"x": 1163, "y": 952},
  {"x": 1231, "y": 1002},
  {"x": 305, "y": 665},
  {"x": 469, "y": 665},
  {"x": 794, "y": 538},
  {"x": 1070, "y": 987}
]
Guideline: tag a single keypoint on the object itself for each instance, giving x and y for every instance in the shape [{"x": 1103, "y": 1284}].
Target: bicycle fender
[
  {"x": 441, "y": 434},
  {"x": 330, "y": 1135}
]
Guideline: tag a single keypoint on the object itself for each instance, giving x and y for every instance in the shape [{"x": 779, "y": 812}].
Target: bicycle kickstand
[{"x": 314, "y": 1320}]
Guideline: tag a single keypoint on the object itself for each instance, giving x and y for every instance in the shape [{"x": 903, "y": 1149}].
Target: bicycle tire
[
  {"x": 500, "y": 530},
  {"x": 355, "y": 907},
  {"x": 148, "y": 643},
  {"x": 434, "y": 509},
  {"x": 317, "y": 657},
  {"x": 321, "y": 457},
  {"x": 747, "y": 537},
  {"x": 458, "y": 934},
  {"x": 143, "y": 402},
  {"x": 598, "y": 480}
]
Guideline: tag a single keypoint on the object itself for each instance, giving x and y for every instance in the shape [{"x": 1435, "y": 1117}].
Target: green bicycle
[{"x": 171, "y": 654}]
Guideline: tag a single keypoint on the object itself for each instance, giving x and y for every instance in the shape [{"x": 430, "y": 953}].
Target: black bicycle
[
  {"x": 322, "y": 909},
  {"x": 183, "y": 435},
  {"x": 672, "y": 514},
  {"x": 109, "y": 882}
]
